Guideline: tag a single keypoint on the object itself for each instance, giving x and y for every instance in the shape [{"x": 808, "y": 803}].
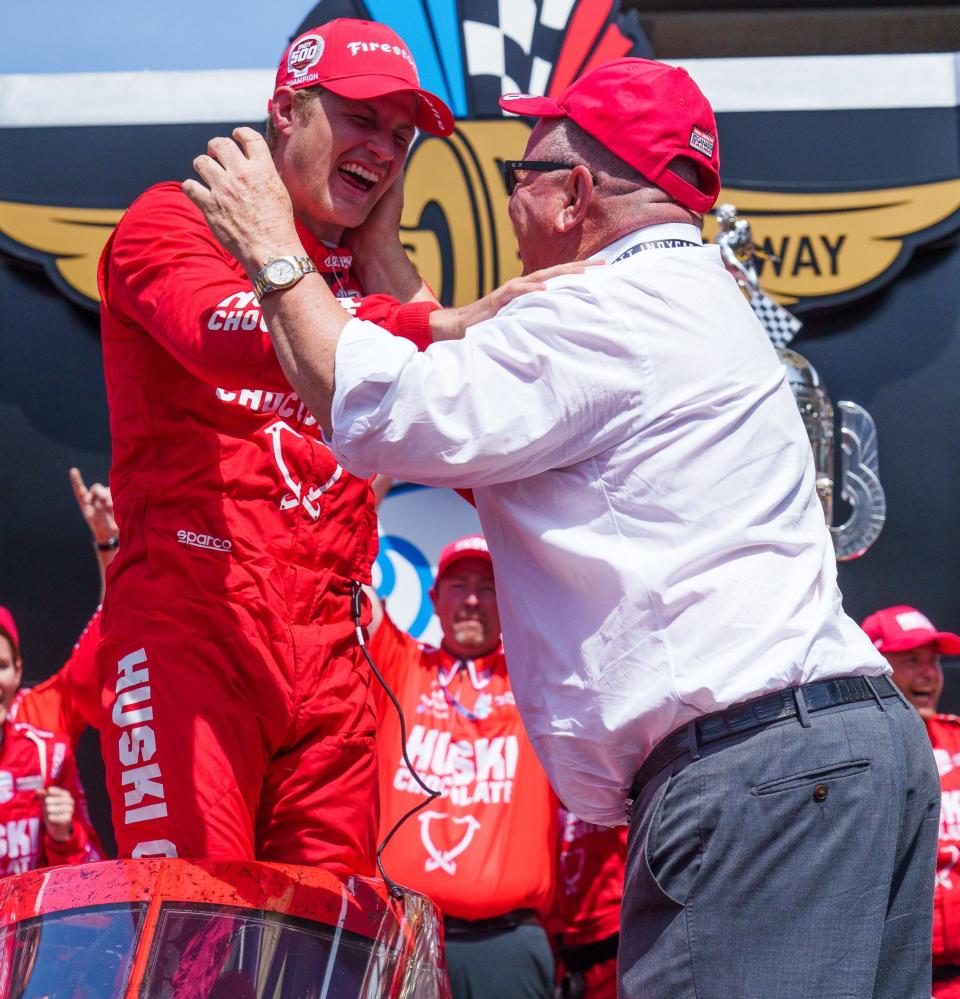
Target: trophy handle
[{"x": 860, "y": 483}]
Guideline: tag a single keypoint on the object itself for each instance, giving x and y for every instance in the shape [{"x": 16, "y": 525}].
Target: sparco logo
[
  {"x": 304, "y": 54},
  {"x": 207, "y": 541}
]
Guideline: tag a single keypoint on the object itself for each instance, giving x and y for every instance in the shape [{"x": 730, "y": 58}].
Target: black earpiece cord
[{"x": 392, "y": 886}]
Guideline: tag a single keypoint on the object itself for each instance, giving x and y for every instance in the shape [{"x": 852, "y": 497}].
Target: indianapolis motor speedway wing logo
[{"x": 822, "y": 246}]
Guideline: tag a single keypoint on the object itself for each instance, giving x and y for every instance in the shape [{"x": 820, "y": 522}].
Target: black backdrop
[{"x": 895, "y": 351}]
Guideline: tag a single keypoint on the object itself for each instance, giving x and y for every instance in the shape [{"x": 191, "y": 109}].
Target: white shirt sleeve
[{"x": 553, "y": 379}]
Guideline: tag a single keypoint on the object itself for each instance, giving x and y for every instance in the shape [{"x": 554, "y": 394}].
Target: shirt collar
[
  {"x": 666, "y": 230},
  {"x": 479, "y": 670},
  {"x": 336, "y": 260}
]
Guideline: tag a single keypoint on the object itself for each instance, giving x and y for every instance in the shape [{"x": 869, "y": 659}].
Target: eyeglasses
[{"x": 510, "y": 168}]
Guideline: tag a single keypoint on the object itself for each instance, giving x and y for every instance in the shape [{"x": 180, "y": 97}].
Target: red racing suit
[
  {"x": 586, "y": 916},
  {"x": 944, "y": 732},
  {"x": 68, "y": 701},
  {"x": 237, "y": 720},
  {"x": 31, "y": 759}
]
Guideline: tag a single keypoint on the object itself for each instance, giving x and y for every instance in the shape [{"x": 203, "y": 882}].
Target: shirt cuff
[{"x": 413, "y": 323}]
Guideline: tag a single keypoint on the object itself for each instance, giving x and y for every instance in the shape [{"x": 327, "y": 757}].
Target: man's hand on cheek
[
  {"x": 381, "y": 225},
  {"x": 379, "y": 259},
  {"x": 243, "y": 198}
]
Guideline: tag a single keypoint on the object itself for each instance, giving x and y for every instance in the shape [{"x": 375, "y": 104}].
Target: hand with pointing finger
[{"x": 96, "y": 507}]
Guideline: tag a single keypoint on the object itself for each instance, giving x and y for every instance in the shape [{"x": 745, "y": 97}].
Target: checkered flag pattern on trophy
[
  {"x": 781, "y": 325},
  {"x": 739, "y": 256}
]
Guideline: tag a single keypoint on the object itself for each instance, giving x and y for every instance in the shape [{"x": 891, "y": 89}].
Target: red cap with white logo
[
  {"x": 472, "y": 546},
  {"x": 360, "y": 60},
  {"x": 9, "y": 628},
  {"x": 901, "y": 628},
  {"x": 647, "y": 113}
]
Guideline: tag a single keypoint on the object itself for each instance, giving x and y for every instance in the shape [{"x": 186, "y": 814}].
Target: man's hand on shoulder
[
  {"x": 243, "y": 199},
  {"x": 451, "y": 324}
]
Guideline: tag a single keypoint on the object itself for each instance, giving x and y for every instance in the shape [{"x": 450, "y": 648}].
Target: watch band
[{"x": 262, "y": 285}]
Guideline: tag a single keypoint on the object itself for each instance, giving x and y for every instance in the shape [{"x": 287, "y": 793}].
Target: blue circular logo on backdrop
[{"x": 409, "y": 552}]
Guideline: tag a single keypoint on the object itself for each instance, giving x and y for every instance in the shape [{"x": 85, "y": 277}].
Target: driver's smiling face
[
  {"x": 919, "y": 675},
  {"x": 342, "y": 156}
]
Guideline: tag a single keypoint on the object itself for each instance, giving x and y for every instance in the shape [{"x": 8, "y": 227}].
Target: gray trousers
[
  {"x": 502, "y": 964},
  {"x": 791, "y": 862}
]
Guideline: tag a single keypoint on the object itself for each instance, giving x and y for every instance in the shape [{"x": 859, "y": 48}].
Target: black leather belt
[
  {"x": 586, "y": 956},
  {"x": 454, "y": 927},
  {"x": 757, "y": 713},
  {"x": 945, "y": 972}
]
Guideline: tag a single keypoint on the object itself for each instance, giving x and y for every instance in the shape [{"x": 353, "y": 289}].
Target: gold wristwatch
[{"x": 282, "y": 272}]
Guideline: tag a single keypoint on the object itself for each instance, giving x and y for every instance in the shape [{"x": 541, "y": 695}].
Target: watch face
[{"x": 281, "y": 272}]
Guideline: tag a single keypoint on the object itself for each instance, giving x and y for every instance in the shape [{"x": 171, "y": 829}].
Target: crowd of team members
[{"x": 529, "y": 892}]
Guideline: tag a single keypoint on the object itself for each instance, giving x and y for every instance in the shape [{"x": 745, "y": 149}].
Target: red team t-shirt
[
  {"x": 944, "y": 732},
  {"x": 487, "y": 846},
  {"x": 590, "y": 882}
]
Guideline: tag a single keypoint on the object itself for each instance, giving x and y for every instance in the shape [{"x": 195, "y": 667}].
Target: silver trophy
[
  {"x": 740, "y": 254},
  {"x": 859, "y": 459}
]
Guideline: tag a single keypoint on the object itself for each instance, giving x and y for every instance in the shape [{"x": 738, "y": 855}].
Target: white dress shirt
[{"x": 646, "y": 488}]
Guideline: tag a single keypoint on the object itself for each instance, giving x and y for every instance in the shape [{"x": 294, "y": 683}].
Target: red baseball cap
[
  {"x": 472, "y": 546},
  {"x": 8, "y": 627},
  {"x": 648, "y": 114},
  {"x": 901, "y": 628},
  {"x": 360, "y": 60}
]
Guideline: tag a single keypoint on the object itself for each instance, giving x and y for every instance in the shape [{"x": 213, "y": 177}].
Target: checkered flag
[
  {"x": 501, "y": 54},
  {"x": 781, "y": 326},
  {"x": 514, "y": 46}
]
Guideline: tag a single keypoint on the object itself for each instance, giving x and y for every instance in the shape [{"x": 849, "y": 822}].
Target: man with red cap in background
[
  {"x": 485, "y": 849},
  {"x": 43, "y": 811},
  {"x": 237, "y": 720},
  {"x": 667, "y": 585},
  {"x": 913, "y": 646}
]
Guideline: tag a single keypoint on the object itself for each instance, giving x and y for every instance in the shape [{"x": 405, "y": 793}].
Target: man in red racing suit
[{"x": 236, "y": 714}]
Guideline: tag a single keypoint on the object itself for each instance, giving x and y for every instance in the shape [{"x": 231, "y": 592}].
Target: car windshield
[
  {"x": 79, "y": 954},
  {"x": 212, "y": 952}
]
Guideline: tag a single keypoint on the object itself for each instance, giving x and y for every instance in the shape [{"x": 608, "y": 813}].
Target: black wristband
[{"x": 111, "y": 544}]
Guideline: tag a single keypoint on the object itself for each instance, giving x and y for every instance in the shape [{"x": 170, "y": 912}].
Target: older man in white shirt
[{"x": 667, "y": 585}]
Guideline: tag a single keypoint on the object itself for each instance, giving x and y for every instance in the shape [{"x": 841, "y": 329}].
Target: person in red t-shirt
[
  {"x": 485, "y": 849},
  {"x": 913, "y": 647},
  {"x": 586, "y": 916},
  {"x": 43, "y": 812}
]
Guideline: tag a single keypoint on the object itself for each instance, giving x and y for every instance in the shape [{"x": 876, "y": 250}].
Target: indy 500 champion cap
[{"x": 360, "y": 60}]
